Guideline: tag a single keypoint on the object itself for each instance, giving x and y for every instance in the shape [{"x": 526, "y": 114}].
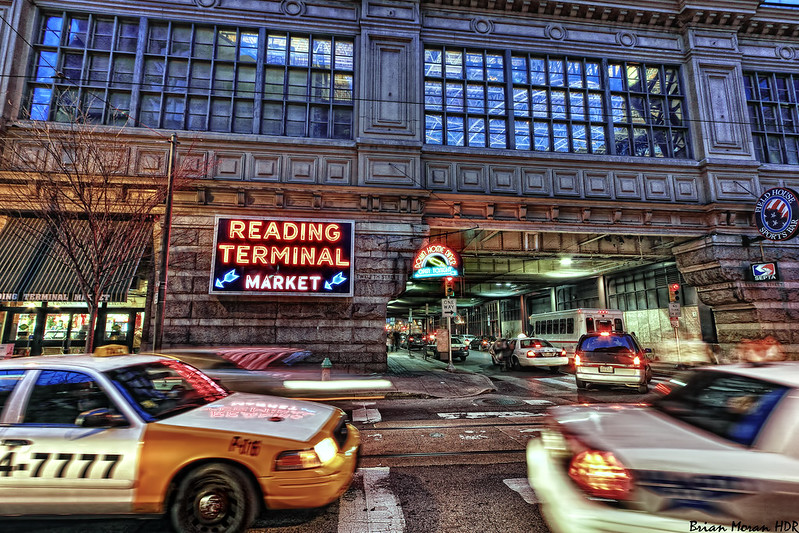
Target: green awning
[{"x": 33, "y": 269}]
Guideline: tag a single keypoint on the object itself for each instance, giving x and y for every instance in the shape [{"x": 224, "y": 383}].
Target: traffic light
[
  {"x": 674, "y": 292},
  {"x": 449, "y": 287}
]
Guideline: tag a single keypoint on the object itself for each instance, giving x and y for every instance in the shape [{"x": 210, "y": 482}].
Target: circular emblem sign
[{"x": 777, "y": 214}]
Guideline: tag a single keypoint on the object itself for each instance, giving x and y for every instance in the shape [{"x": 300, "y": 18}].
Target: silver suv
[{"x": 611, "y": 358}]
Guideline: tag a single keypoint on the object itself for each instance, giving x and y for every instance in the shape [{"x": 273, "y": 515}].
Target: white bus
[{"x": 564, "y": 328}]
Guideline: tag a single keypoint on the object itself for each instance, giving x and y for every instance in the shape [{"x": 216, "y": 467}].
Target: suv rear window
[{"x": 608, "y": 349}]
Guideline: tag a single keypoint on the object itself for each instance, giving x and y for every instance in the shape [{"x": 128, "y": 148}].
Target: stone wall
[
  {"x": 350, "y": 331},
  {"x": 717, "y": 266}
]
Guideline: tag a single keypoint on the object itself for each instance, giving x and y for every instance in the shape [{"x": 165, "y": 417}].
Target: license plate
[{"x": 606, "y": 369}]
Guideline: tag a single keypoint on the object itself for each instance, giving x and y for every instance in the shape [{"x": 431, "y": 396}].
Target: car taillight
[
  {"x": 637, "y": 361},
  {"x": 531, "y": 353},
  {"x": 563, "y": 352},
  {"x": 577, "y": 361},
  {"x": 601, "y": 474}
]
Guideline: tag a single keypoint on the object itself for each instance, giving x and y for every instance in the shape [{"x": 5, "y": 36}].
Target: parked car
[
  {"x": 460, "y": 349},
  {"x": 482, "y": 343},
  {"x": 138, "y": 434},
  {"x": 416, "y": 341},
  {"x": 719, "y": 450},
  {"x": 526, "y": 352},
  {"x": 611, "y": 358}
]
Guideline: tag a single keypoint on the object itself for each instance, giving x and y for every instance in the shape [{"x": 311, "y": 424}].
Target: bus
[{"x": 564, "y": 328}]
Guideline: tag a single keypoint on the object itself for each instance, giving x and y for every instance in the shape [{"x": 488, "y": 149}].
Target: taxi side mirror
[{"x": 100, "y": 418}]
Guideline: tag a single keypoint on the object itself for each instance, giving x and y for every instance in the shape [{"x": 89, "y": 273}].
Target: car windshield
[
  {"x": 534, "y": 343},
  {"x": 730, "y": 406},
  {"x": 165, "y": 388}
]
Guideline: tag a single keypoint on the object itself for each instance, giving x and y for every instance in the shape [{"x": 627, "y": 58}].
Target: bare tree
[{"x": 71, "y": 185}]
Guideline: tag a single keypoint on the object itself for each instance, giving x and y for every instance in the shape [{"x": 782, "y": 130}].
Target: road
[{"x": 428, "y": 465}]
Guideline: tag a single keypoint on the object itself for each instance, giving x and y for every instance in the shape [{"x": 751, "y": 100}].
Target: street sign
[
  {"x": 448, "y": 306},
  {"x": 674, "y": 309},
  {"x": 675, "y": 322}
]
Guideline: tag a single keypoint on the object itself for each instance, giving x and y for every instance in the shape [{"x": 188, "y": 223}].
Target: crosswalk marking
[
  {"x": 366, "y": 415},
  {"x": 521, "y": 486},
  {"x": 375, "y": 509}
]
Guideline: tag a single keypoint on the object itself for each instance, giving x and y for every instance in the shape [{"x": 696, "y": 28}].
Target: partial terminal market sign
[
  {"x": 282, "y": 256},
  {"x": 777, "y": 214},
  {"x": 436, "y": 261}
]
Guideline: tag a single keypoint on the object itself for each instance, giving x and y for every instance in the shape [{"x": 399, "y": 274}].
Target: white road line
[
  {"x": 521, "y": 486},
  {"x": 539, "y": 402},
  {"x": 488, "y": 414},
  {"x": 366, "y": 415},
  {"x": 373, "y": 510}
]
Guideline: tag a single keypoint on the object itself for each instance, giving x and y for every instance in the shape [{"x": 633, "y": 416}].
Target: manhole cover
[{"x": 497, "y": 401}]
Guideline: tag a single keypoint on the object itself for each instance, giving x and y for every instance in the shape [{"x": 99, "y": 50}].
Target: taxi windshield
[
  {"x": 165, "y": 388},
  {"x": 730, "y": 406}
]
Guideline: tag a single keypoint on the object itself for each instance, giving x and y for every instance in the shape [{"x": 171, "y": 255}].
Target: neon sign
[
  {"x": 436, "y": 261},
  {"x": 275, "y": 256}
]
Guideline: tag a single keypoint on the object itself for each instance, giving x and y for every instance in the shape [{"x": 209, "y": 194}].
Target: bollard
[{"x": 326, "y": 365}]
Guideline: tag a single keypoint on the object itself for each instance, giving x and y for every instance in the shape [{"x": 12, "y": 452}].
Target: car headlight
[{"x": 321, "y": 453}]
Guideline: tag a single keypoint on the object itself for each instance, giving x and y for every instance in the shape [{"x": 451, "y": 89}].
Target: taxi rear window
[
  {"x": 730, "y": 406},
  {"x": 8, "y": 382}
]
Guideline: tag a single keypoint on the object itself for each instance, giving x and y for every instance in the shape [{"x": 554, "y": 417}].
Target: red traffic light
[{"x": 675, "y": 286}]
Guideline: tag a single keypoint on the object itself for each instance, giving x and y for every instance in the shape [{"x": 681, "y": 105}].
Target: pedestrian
[{"x": 396, "y": 336}]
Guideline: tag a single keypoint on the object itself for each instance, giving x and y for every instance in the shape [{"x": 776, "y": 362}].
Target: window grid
[
  {"x": 553, "y": 103},
  {"x": 647, "y": 110},
  {"x": 465, "y": 97},
  {"x": 773, "y": 104},
  {"x": 83, "y": 62},
  {"x": 192, "y": 76},
  {"x": 557, "y": 104}
]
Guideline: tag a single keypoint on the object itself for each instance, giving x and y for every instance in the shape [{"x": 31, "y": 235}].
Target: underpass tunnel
[{"x": 510, "y": 277}]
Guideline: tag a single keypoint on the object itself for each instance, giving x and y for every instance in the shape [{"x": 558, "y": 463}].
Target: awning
[{"x": 33, "y": 269}]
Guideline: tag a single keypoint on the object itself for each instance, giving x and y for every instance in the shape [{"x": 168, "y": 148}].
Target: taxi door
[{"x": 51, "y": 464}]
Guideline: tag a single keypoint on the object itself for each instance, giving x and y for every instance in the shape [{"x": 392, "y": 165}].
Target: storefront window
[
  {"x": 137, "y": 331},
  {"x": 56, "y": 326},
  {"x": 24, "y": 325},
  {"x": 80, "y": 325},
  {"x": 116, "y": 327}
]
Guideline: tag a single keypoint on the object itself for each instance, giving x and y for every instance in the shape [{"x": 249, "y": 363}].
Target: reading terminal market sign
[
  {"x": 436, "y": 261},
  {"x": 256, "y": 256}
]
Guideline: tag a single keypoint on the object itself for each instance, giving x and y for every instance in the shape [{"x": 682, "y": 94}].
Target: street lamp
[{"x": 160, "y": 303}]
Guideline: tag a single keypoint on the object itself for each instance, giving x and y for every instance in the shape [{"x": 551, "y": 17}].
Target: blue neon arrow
[
  {"x": 229, "y": 276},
  {"x": 337, "y": 280}
]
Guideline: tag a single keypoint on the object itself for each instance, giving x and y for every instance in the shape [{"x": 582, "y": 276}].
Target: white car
[
  {"x": 718, "y": 453},
  {"x": 147, "y": 435},
  {"x": 526, "y": 352}
]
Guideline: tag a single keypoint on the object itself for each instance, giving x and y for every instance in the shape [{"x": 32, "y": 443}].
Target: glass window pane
[
  {"x": 477, "y": 132},
  {"x": 274, "y": 82},
  {"x": 476, "y": 98},
  {"x": 177, "y": 74},
  {"x": 498, "y": 135},
  {"x": 242, "y": 116},
  {"x": 522, "y": 134},
  {"x": 45, "y": 66},
  {"x": 220, "y": 114},
  {"x": 343, "y": 91},
  {"x": 521, "y": 102},
  {"x": 181, "y": 41},
  {"x": 157, "y": 38},
  {"x": 434, "y": 129},
  {"x": 575, "y": 74},
  {"x": 432, "y": 62},
  {"x": 128, "y": 37},
  {"x": 519, "y": 69},
  {"x": 455, "y": 97},
  {"x": 272, "y": 119},
  {"x": 248, "y": 47},
  {"x": 103, "y": 33},
  {"x": 556, "y": 73},
  {"x": 276, "y": 49},
  {"x": 77, "y": 32},
  {"x": 344, "y": 55},
  {"x": 454, "y": 61},
  {"x": 203, "y": 43},
  {"x": 174, "y": 109},
  {"x": 496, "y": 100},
  {"x": 299, "y": 51},
  {"x": 433, "y": 95},
  {"x": 322, "y": 53},
  {"x": 455, "y": 131},
  {"x": 226, "y": 44},
  {"x": 474, "y": 66},
  {"x": 541, "y": 130},
  {"x": 51, "y": 32},
  {"x": 494, "y": 67},
  {"x": 537, "y": 71}
]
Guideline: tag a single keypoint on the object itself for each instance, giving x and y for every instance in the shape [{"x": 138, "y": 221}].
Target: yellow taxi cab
[{"x": 149, "y": 435}]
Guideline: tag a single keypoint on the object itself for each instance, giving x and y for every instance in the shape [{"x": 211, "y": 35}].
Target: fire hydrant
[{"x": 326, "y": 366}]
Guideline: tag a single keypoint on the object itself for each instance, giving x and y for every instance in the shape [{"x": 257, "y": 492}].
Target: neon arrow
[
  {"x": 337, "y": 280},
  {"x": 229, "y": 276}
]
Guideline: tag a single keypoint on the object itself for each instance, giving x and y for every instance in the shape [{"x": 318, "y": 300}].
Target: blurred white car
[
  {"x": 528, "y": 352},
  {"x": 720, "y": 452},
  {"x": 147, "y": 435}
]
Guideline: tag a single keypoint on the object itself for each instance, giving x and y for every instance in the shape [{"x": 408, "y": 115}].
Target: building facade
[{"x": 547, "y": 122}]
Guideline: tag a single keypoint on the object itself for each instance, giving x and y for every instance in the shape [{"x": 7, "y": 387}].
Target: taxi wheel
[
  {"x": 643, "y": 388},
  {"x": 514, "y": 363},
  {"x": 214, "y": 498},
  {"x": 580, "y": 383}
]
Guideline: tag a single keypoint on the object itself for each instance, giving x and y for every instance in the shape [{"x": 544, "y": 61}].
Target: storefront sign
[
  {"x": 282, "y": 256},
  {"x": 765, "y": 272},
  {"x": 436, "y": 261},
  {"x": 777, "y": 214}
]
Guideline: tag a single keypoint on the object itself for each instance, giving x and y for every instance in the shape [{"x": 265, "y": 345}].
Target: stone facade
[{"x": 398, "y": 187}]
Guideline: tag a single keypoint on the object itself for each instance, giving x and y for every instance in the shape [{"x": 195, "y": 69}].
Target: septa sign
[
  {"x": 765, "y": 272},
  {"x": 282, "y": 256}
]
